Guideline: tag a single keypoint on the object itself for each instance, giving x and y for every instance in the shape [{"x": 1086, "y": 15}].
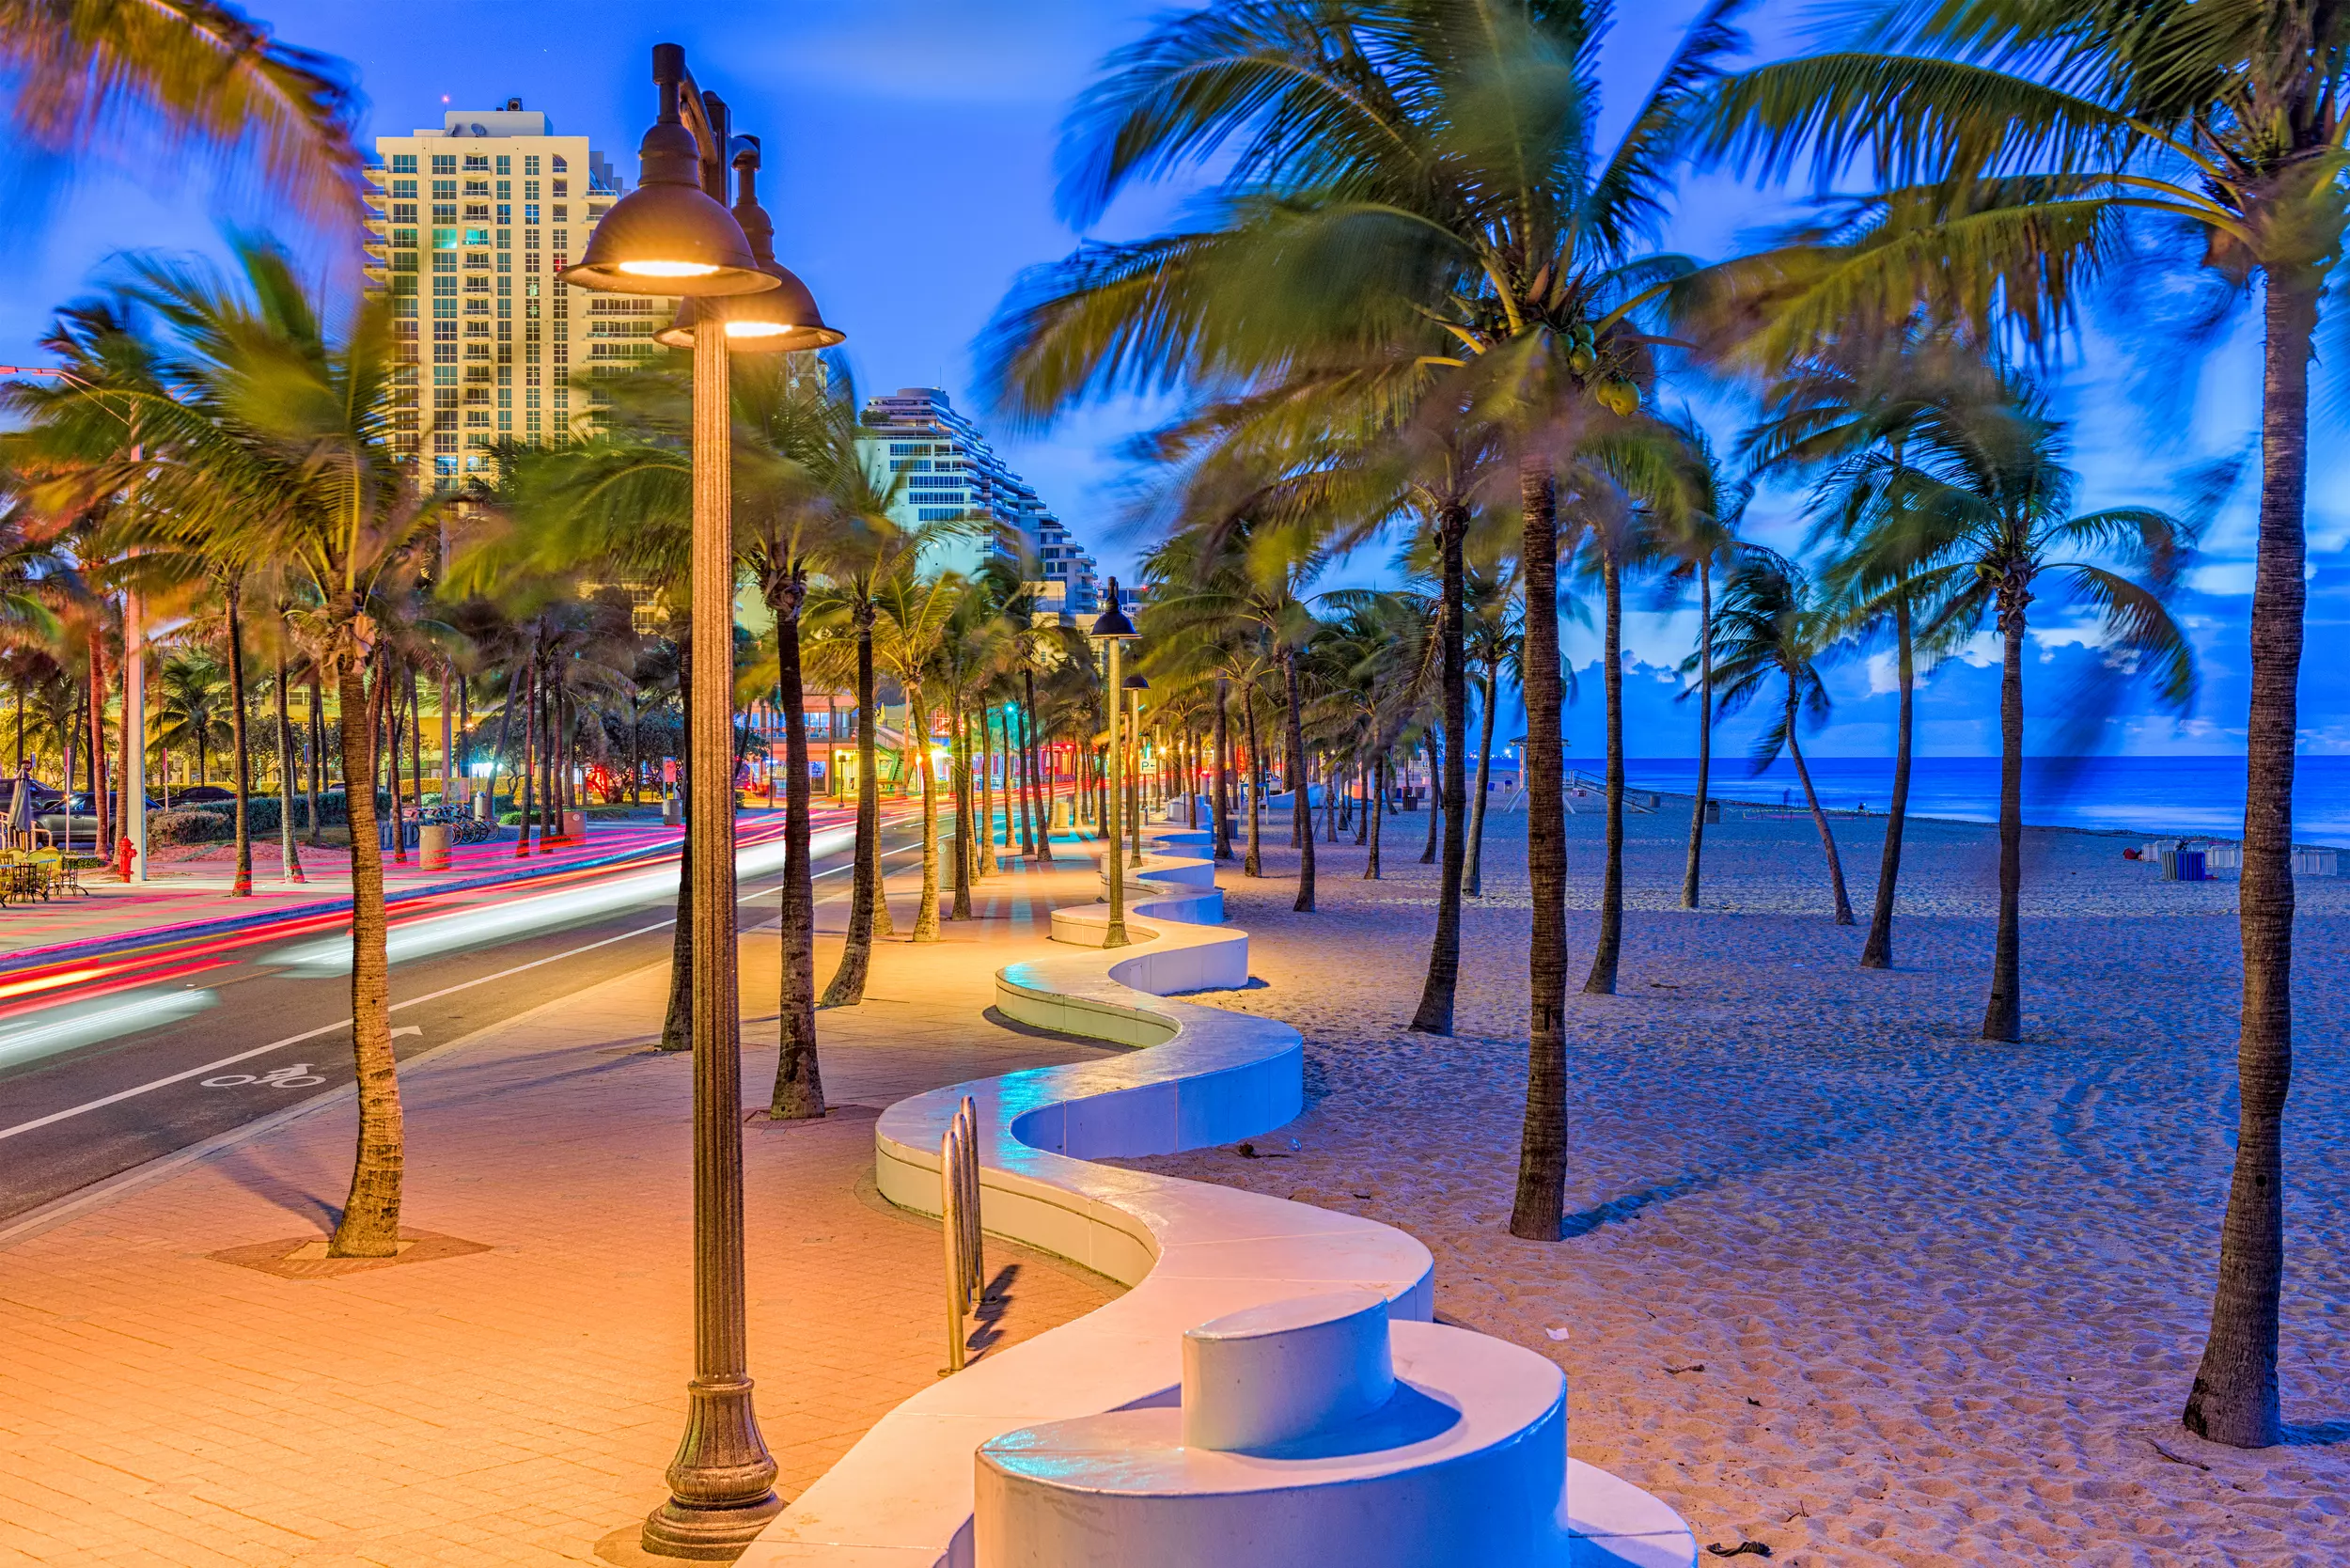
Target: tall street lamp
[
  {"x": 1113, "y": 631},
  {"x": 673, "y": 236}
]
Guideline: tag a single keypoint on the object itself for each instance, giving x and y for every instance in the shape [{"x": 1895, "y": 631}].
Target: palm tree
[
  {"x": 199, "y": 77},
  {"x": 1773, "y": 625},
  {"x": 918, "y": 616},
  {"x": 269, "y": 414},
  {"x": 2013, "y": 143},
  {"x": 1971, "y": 514},
  {"x": 1703, "y": 536},
  {"x": 1496, "y": 645},
  {"x": 189, "y": 697},
  {"x": 1847, "y": 411},
  {"x": 1412, "y": 184}
]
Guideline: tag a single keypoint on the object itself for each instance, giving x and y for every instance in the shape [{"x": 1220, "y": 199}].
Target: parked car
[{"x": 199, "y": 793}]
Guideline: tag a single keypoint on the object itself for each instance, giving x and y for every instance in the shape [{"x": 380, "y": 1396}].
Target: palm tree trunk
[
  {"x": 1301, "y": 811},
  {"x": 1359, "y": 802},
  {"x": 1608, "y": 946},
  {"x": 857, "y": 954},
  {"x": 1474, "y": 884},
  {"x": 102, "y": 843},
  {"x": 497, "y": 753},
  {"x": 528, "y": 771},
  {"x": 242, "y": 887},
  {"x": 1705, "y": 730},
  {"x": 1535, "y": 1213},
  {"x": 2003, "y": 1014},
  {"x": 1877, "y": 952},
  {"x": 1819, "y": 818},
  {"x": 959, "y": 758},
  {"x": 390, "y": 708},
  {"x": 799, "y": 1091},
  {"x": 677, "y": 1019},
  {"x": 2234, "y": 1399},
  {"x": 1019, "y": 778},
  {"x": 415, "y": 745},
  {"x": 1436, "y": 738},
  {"x": 1223, "y": 808},
  {"x": 1379, "y": 789},
  {"x": 1036, "y": 765},
  {"x": 291, "y": 859},
  {"x": 925, "y": 911},
  {"x": 1435, "y": 1014},
  {"x": 1252, "y": 864},
  {"x": 318, "y": 753},
  {"x": 369, "y": 1226}
]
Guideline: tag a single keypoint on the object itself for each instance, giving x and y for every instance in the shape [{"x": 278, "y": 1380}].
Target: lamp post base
[{"x": 681, "y": 1531}]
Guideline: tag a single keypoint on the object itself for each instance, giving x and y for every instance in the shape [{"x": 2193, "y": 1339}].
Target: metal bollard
[{"x": 958, "y": 1224}]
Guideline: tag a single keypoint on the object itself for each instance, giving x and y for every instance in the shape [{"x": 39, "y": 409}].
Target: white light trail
[{"x": 85, "y": 1025}]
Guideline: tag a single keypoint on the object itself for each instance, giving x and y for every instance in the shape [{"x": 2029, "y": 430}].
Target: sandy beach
[{"x": 1842, "y": 1278}]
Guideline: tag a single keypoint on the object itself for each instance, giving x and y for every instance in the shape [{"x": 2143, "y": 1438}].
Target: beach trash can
[
  {"x": 432, "y": 846},
  {"x": 1713, "y": 811}
]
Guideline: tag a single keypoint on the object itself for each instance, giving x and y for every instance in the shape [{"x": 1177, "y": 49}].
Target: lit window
[
  {"x": 530, "y": 211},
  {"x": 506, "y": 213},
  {"x": 445, "y": 239},
  {"x": 478, "y": 237}
]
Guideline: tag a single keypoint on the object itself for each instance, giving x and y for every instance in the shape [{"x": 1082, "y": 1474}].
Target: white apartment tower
[
  {"x": 477, "y": 217},
  {"x": 947, "y": 472}
]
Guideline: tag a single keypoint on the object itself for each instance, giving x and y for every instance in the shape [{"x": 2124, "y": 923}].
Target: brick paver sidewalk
[{"x": 515, "y": 1403}]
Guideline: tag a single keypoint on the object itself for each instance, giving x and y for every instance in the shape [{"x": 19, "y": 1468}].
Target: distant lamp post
[
  {"x": 673, "y": 236},
  {"x": 1113, "y": 631},
  {"x": 1135, "y": 686}
]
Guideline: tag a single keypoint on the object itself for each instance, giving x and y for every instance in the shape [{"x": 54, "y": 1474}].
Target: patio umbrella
[{"x": 21, "y": 814}]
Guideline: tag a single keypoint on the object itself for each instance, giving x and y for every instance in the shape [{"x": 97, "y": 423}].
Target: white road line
[{"x": 120, "y": 1095}]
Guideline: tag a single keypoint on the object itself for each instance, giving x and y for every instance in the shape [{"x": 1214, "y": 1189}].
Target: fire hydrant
[{"x": 124, "y": 856}]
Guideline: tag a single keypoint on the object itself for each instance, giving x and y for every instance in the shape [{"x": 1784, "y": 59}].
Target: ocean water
[{"x": 2157, "y": 795}]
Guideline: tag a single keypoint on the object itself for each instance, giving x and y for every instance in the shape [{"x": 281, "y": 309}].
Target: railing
[{"x": 959, "y": 1208}]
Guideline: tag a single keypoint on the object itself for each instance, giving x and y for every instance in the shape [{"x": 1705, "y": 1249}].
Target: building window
[
  {"x": 444, "y": 190},
  {"x": 562, "y": 213},
  {"x": 530, "y": 399},
  {"x": 506, "y": 214},
  {"x": 530, "y": 211},
  {"x": 403, "y": 190},
  {"x": 937, "y": 514},
  {"x": 476, "y": 212},
  {"x": 558, "y": 166},
  {"x": 530, "y": 163},
  {"x": 404, "y": 163},
  {"x": 444, "y": 163},
  {"x": 404, "y": 262},
  {"x": 405, "y": 212},
  {"x": 445, "y": 239},
  {"x": 559, "y": 240},
  {"x": 479, "y": 161},
  {"x": 445, "y": 386},
  {"x": 530, "y": 239},
  {"x": 505, "y": 164},
  {"x": 447, "y": 442},
  {"x": 478, "y": 236},
  {"x": 476, "y": 187}
]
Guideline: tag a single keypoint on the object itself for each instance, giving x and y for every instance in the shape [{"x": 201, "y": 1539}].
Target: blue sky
[{"x": 910, "y": 172}]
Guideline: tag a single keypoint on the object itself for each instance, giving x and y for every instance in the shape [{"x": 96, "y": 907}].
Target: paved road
[{"x": 190, "y": 1042}]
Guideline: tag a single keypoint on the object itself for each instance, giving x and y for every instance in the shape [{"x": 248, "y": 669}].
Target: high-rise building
[
  {"x": 477, "y": 217},
  {"x": 951, "y": 474}
]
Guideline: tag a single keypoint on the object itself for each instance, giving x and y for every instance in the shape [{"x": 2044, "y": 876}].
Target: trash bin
[
  {"x": 1713, "y": 811},
  {"x": 432, "y": 846},
  {"x": 669, "y": 817}
]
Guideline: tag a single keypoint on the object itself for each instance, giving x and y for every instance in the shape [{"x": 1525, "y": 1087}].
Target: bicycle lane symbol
[{"x": 297, "y": 1077}]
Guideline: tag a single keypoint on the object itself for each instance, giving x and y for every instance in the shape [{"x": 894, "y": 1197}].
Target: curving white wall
[{"x": 905, "y": 1495}]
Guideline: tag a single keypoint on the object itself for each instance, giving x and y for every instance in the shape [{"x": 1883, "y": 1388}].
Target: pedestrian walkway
[{"x": 172, "y": 1393}]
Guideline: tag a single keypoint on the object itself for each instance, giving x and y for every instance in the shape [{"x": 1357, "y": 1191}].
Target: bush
[
  {"x": 260, "y": 811},
  {"x": 192, "y": 826}
]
